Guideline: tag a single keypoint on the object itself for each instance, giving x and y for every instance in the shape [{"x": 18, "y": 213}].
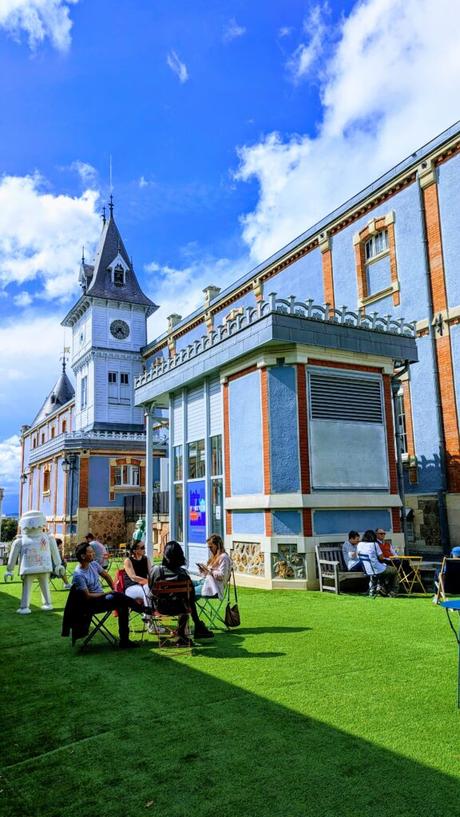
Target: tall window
[
  {"x": 377, "y": 244},
  {"x": 217, "y": 491},
  {"x": 84, "y": 392},
  {"x": 46, "y": 481},
  {"x": 124, "y": 387},
  {"x": 177, "y": 463},
  {"x": 196, "y": 459},
  {"x": 112, "y": 379},
  {"x": 178, "y": 512}
]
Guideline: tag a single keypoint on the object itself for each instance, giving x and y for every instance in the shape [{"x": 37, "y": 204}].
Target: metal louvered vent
[{"x": 333, "y": 397}]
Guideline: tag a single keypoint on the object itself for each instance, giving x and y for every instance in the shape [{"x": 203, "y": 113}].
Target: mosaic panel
[
  {"x": 248, "y": 558},
  {"x": 288, "y": 563}
]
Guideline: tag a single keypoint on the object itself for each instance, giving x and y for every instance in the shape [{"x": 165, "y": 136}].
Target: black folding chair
[
  {"x": 84, "y": 624},
  {"x": 212, "y": 608},
  {"x": 98, "y": 625},
  {"x": 373, "y": 576}
]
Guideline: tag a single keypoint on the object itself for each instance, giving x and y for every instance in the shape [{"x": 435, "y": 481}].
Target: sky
[{"x": 231, "y": 127}]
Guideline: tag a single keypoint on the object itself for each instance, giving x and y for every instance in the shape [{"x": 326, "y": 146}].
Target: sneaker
[
  {"x": 158, "y": 629},
  {"x": 128, "y": 645},
  {"x": 67, "y": 586},
  {"x": 184, "y": 642},
  {"x": 202, "y": 631},
  {"x": 435, "y": 600}
]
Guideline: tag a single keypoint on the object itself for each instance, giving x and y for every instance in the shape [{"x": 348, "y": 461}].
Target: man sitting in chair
[{"x": 87, "y": 579}]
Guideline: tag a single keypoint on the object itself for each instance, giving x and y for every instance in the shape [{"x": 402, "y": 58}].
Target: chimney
[
  {"x": 210, "y": 292},
  {"x": 173, "y": 320}
]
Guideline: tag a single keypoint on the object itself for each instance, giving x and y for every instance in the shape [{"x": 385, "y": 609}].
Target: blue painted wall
[
  {"x": 378, "y": 275},
  {"x": 284, "y": 445},
  {"x": 455, "y": 344},
  {"x": 424, "y": 421},
  {"x": 303, "y": 278},
  {"x": 248, "y": 522},
  {"x": 246, "y": 435},
  {"x": 246, "y": 300},
  {"x": 286, "y": 523},
  {"x": 60, "y": 489},
  {"x": 449, "y": 206},
  {"x": 343, "y": 521},
  {"x": 99, "y": 484},
  {"x": 190, "y": 337}
]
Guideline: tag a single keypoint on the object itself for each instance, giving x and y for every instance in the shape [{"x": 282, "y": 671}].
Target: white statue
[{"x": 38, "y": 556}]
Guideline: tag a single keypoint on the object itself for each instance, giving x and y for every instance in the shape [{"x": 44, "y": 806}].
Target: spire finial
[
  {"x": 65, "y": 352},
  {"x": 83, "y": 254},
  {"x": 104, "y": 218},
  {"x": 111, "y": 205}
]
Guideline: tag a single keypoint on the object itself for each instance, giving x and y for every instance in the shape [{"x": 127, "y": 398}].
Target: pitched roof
[
  {"x": 61, "y": 393},
  {"x": 100, "y": 283}
]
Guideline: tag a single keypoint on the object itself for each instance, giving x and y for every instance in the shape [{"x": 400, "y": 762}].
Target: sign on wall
[{"x": 197, "y": 512}]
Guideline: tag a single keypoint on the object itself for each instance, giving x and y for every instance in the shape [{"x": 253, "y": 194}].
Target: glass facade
[
  {"x": 178, "y": 513},
  {"x": 196, "y": 459},
  {"x": 216, "y": 455},
  {"x": 178, "y": 465}
]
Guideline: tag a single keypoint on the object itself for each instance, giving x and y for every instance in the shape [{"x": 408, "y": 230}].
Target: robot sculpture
[{"x": 38, "y": 556}]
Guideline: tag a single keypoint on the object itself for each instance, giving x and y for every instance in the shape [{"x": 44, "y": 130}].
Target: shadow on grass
[{"x": 127, "y": 733}]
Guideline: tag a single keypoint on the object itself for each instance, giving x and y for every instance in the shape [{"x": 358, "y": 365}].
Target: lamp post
[{"x": 69, "y": 464}]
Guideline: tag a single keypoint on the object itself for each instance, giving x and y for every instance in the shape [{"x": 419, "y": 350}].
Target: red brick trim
[
  {"x": 225, "y": 402},
  {"x": 335, "y": 364},
  {"x": 242, "y": 373},
  {"x": 265, "y": 402},
  {"x": 392, "y": 467},
  {"x": 328, "y": 277},
  {"x": 407, "y": 402},
  {"x": 302, "y": 418},
  {"x": 84, "y": 475},
  {"x": 268, "y": 523},
  {"x": 307, "y": 522},
  {"x": 443, "y": 345},
  {"x": 228, "y": 522},
  {"x": 396, "y": 520}
]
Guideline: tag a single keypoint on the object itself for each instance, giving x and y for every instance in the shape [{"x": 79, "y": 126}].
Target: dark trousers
[{"x": 122, "y": 604}]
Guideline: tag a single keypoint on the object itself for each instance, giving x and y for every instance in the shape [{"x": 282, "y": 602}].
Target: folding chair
[
  {"x": 172, "y": 600},
  {"x": 98, "y": 625},
  {"x": 448, "y": 580},
  {"x": 373, "y": 576},
  {"x": 119, "y": 585},
  {"x": 82, "y": 623},
  {"x": 212, "y": 608}
]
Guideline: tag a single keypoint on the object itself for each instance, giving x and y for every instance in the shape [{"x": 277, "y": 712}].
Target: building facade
[
  {"x": 83, "y": 456},
  {"x": 392, "y": 249}
]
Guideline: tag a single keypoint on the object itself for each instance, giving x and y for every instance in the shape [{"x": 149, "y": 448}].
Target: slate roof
[
  {"x": 61, "y": 393},
  {"x": 100, "y": 284}
]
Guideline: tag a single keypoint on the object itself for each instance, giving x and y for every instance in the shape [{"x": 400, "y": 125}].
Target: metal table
[{"x": 454, "y": 604}]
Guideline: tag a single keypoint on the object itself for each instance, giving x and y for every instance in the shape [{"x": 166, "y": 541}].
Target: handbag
[{"x": 232, "y": 613}]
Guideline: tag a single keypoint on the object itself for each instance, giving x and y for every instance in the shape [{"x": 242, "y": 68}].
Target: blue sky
[{"x": 232, "y": 127}]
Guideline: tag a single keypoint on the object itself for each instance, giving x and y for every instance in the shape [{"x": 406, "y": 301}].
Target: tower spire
[
  {"x": 111, "y": 205},
  {"x": 104, "y": 218}
]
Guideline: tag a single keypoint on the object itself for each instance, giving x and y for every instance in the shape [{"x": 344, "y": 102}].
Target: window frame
[{"x": 382, "y": 224}]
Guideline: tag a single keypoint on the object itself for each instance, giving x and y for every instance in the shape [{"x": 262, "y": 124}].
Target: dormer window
[{"x": 119, "y": 276}]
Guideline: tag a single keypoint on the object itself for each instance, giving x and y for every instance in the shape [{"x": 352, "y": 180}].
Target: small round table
[{"x": 454, "y": 604}]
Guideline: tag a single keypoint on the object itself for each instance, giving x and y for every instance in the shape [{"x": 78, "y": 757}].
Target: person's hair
[
  {"x": 89, "y": 536},
  {"x": 135, "y": 545},
  {"x": 58, "y": 541},
  {"x": 353, "y": 534},
  {"x": 80, "y": 550},
  {"x": 215, "y": 539},
  {"x": 173, "y": 556},
  {"x": 369, "y": 536}
]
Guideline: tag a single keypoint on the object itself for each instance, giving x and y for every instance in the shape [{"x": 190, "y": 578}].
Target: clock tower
[{"x": 109, "y": 329}]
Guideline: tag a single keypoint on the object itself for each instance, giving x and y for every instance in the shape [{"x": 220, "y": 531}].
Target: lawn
[{"x": 316, "y": 705}]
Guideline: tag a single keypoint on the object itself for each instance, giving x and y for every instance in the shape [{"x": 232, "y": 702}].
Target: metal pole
[
  {"x": 395, "y": 387},
  {"x": 71, "y": 471},
  {"x": 149, "y": 483}
]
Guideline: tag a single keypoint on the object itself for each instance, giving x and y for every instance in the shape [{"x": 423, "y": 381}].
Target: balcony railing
[{"x": 134, "y": 506}]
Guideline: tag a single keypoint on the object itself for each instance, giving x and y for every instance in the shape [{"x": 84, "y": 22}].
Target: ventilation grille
[{"x": 356, "y": 399}]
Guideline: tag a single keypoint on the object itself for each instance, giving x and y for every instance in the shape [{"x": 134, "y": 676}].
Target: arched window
[{"x": 64, "y": 426}]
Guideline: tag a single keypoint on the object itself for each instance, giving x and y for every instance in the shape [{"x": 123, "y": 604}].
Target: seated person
[
  {"x": 387, "y": 548},
  {"x": 215, "y": 574},
  {"x": 454, "y": 554},
  {"x": 100, "y": 552},
  {"x": 87, "y": 580},
  {"x": 350, "y": 556},
  {"x": 172, "y": 569},
  {"x": 64, "y": 577},
  {"x": 137, "y": 567},
  {"x": 381, "y": 575}
]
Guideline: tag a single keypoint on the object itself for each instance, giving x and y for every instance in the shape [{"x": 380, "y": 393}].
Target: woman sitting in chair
[
  {"x": 172, "y": 569},
  {"x": 137, "y": 567},
  {"x": 215, "y": 574}
]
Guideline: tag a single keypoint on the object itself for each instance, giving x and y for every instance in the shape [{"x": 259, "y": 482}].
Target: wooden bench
[{"x": 332, "y": 571}]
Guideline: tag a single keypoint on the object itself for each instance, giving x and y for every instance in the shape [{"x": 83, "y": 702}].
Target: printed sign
[{"x": 197, "y": 512}]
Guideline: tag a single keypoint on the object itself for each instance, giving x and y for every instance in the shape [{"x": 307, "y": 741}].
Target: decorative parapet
[
  {"x": 106, "y": 435},
  {"x": 285, "y": 306}
]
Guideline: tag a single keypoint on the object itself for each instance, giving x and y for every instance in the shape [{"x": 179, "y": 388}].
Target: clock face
[{"x": 119, "y": 329}]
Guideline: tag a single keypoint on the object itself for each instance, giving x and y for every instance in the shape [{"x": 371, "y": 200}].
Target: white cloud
[
  {"x": 39, "y": 20},
  {"x": 233, "y": 31},
  {"x": 390, "y": 85},
  {"x": 181, "y": 289},
  {"x": 143, "y": 182},
  {"x": 22, "y": 299},
  {"x": 88, "y": 174},
  {"x": 41, "y": 234},
  {"x": 306, "y": 54},
  {"x": 177, "y": 67},
  {"x": 284, "y": 31},
  {"x": 10, "y": 462}
]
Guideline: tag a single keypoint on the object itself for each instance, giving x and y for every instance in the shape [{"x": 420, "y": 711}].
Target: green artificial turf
[{"x": 316, "y": 705}]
